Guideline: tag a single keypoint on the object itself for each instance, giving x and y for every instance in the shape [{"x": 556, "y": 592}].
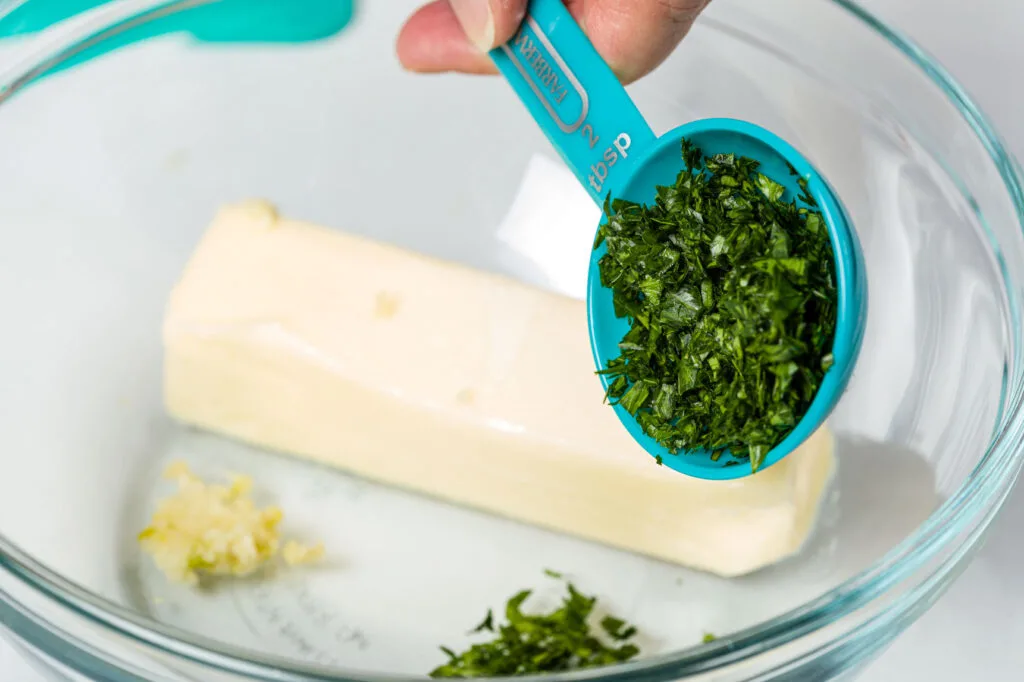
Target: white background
[{"x": 980, "y": 622}]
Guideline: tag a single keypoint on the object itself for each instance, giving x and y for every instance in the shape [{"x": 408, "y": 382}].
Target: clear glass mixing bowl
[{"x": 110, "y": 171}]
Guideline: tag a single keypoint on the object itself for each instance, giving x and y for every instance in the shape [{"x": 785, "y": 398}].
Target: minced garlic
[{"x": 216, "y": 530}]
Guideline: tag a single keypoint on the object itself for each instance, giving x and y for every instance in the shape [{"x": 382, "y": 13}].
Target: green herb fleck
[
  {"x": 486, "y": 624},
  {"x": 708, "y": 638},
  {"x": 553, "y": 574},
  {"x": 619, "y": 630},
  {"x": 730, "y": 293},
  {"x": 559, "y": 641}
]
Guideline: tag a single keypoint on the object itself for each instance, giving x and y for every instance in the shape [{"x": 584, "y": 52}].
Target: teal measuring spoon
[{"x": 601, "y": 135}]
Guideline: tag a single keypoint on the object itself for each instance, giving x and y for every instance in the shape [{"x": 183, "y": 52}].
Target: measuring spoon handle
[{"x": 574, "y": 97}]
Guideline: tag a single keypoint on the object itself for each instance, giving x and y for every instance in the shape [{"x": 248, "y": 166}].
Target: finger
[
  {"x": 433, "y": 41},
  {"x": 635, "y": 36},
  {"x": 489, "y": 23}
]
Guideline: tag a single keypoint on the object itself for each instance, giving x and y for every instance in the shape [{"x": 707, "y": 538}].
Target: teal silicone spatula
[{"x": 590, "y": 119}]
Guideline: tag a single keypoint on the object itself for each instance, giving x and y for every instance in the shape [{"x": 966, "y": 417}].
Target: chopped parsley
[
  {"x": 559, "y": 641},
  {"x": 730, "y": 294}
]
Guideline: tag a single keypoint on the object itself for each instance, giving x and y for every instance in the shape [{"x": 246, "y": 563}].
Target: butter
[{"x": 450, "y": 382}]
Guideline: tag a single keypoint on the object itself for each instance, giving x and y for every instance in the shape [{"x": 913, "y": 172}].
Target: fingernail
[{"x": 477, "y": 21}]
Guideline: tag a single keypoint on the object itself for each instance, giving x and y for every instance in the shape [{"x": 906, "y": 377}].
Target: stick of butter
[{"x": 450, "y": 382}]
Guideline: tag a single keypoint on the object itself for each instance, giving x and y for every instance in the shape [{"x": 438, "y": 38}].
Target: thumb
[
  {"x": 635, "y": 36},
  {"x": 489, "y": 23}
]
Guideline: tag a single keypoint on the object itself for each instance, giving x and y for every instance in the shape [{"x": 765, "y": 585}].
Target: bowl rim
[{"x": 977, "y": 500}]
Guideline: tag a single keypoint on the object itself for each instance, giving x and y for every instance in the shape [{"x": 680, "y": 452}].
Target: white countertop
[{"x": 981, "y": 618}]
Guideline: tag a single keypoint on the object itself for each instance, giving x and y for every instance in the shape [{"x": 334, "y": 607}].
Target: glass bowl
[{"x": 114, "y": 160}]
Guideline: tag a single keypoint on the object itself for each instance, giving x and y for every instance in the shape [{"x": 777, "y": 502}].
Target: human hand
[{"x": 633, "y": 36}]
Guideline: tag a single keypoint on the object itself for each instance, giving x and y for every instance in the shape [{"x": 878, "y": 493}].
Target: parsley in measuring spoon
[
  {"x": 731, "y": 295},
  {"x": 733, "y": 312}
]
